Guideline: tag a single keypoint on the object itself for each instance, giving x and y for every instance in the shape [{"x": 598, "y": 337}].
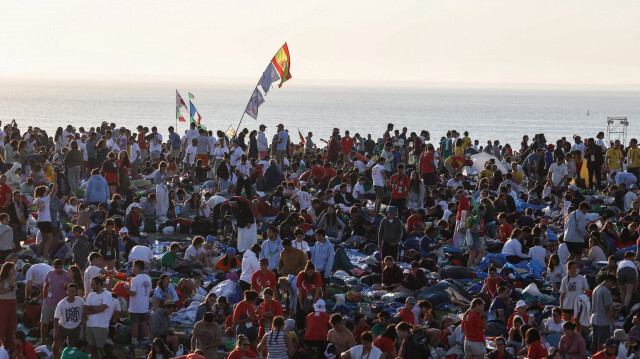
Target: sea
[{"x": 488, "y": 114}]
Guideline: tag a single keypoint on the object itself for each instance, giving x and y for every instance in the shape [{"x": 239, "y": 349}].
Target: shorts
[
  {"x": 47, "y": 313},
  {"x": 627, "y": 275},
  {"x": 475, "y": 246},
  {"x": 203, "y": 157},
  {"x": 600, "y": 334},
  {"x": 187, "y": 167},
  {"x": 138, "y": 317},
  {"x": 45, "y": 227},
  {"x": 325, "y": 281},
  {"x": 155, "y": 155},
  {"x": 379, "y": 191},
  {"x": 97, "y": 336},
  {"x": 429, "y": 179},
  {"x": 71, "y": 335},
  {"x": 575, "y": 247},
  {"x": 474, "y": 348}
]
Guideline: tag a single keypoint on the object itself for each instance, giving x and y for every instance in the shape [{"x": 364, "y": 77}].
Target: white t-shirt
[
  {"x": 190, "y": 135},
  {"x": 552, "y": 326},
  {"x": 377, "y": 173},
  {"x": 220, "y": 151},
  {"x": 356, "y": 353},
  {"x": 37, "y": 272},
  {"x": 89, "y": 273},
  {"x": 69, "y": 315},
  {"x": 143, "y": 253},
  {"x": 538, "y": 253},
  {"x": 3, "y": 353},
  {"x": 358, "y": 188},
  {"x": 190, "y": 155},
  {"x": 236, "y": 153},
  {"x": 563, "y": 253},
  {"x": 192, "y": 253},
  {"x": 453, "y": 183},
  {"x": 305, "y": 199},
  {"x": 360, "y": 165},
  {"x": 245, "y": 168},
  {"x": 141, "y": 284},
  {"x": 156, "y": 143},
  {"x": 303, "y": 246},
  {"x": 135, "y": 152},
  {"x": 102, "y": 319},
  {"x": 44, "y": 214},
  {"x": 572, "y": 288},
  {"x": 558, "y": 172}
]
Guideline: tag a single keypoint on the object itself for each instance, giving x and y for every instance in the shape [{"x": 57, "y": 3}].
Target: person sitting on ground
[{"x": 229, "y": 261}]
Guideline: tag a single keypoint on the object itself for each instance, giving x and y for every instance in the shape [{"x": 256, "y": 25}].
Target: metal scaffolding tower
[{"x": 617, "y": 130}]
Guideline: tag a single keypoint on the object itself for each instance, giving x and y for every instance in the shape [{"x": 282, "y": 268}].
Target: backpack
[{"x": 201, "y": 226}]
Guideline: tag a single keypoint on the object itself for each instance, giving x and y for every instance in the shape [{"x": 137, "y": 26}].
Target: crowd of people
[{"x": 351, "y": 247}]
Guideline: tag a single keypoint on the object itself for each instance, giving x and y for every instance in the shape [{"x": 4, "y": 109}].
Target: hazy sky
[{"x": 349, "y": 42}]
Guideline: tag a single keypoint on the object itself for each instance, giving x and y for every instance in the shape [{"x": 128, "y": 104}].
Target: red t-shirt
[
  {"x": 260, "y": 281},
  {"x": 414, "y": 223},
  {"x": 330, "y": 172},
  {"x": 407, "y": 316},
  {"x": 237, "y": 354},
  {"x": 537, "y": 350},
  {"x": 347, "y": 144},
  {"x": 142, "y": 143},
  {"x": 29, "y": 351},
  {"x": 307, "y": 287},
  {"x": 505, "y": 231},
  {"x": 384, "y": 344},
  {"x": 463, "y": 205},
  {"x": 399, "y": 185},
  {"x": 318, "y": 172},
  {"x": 525, "y": 319},
  {"x": 274, "y": 307},
  {"x": 426, "y": 162},
  {"x": 317, "y": 326},
  {"x": 493, "y": 286},
  {"x": 472, "y": 323},
  {"x": 244, "y": 308},
  {"x": 5, "y": 192},
  {"x": 358, "y": 332}
]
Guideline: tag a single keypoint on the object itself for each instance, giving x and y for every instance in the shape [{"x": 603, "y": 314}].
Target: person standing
[
  {"x": 473, "y": 327},
  {"x": 602, "y": 313},
  {"x": 399, "y": 184},
  {"x": 67, "y": 320},
  {"x": 55, "y": 283},
  {"x": 379, "y": 177},
  {"x": 571, "y": 287},
  {"x": 155, "y": 145},
  {"x": 263, "y": 143},
  {"x": 206, "y": 336},
  {"x": 323, "y": 256},
  {"x": 8, "y": 304},
  {"x": 390, "y": 233},
  {"x": 175, "y": 142},
  {"x": 139, "y": 292},
  {"x": 281, "y": 148},
  {"x": 100, "y": 307},
  {"x": 162, "y": 193},
  {"x": 277, "y": 341},
  {"x": 575, "y": 232}
]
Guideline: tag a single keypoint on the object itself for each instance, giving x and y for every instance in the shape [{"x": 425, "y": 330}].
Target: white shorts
[{"x": 474, "y": 348}]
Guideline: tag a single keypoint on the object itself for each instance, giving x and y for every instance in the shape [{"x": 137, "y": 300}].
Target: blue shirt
[
  {"x": 322, "y": 257},
  {"x": 284, "y": 136},
  {"x": 495, "y": 306},
  {"x": 175, "y": 141}
]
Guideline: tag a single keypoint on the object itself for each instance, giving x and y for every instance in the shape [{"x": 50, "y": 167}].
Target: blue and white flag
[
  {"x": 255, "y": 101},
  {"x": 269, "y": 76}
]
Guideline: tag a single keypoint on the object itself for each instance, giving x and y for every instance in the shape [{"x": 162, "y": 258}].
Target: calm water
[{"x": 487, "y": 114}]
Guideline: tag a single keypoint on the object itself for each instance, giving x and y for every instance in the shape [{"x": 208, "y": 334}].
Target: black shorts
[
  {"x": 627, "y": 275},
  {"x": 45, "y": 227},
  {"x": 325, "y": 281},
  {"x": 429, "y": 179},
  {"x": 575, "y": 247}
]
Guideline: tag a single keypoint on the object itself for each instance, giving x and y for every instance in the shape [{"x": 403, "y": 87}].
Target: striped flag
[
  {"x": 193, "y": 112},
  {"x": 282, "y": 63},
  {"x": 255, "y": 102},
  {"x": 179, "y": 106},
  {"x": 191, "y": 96},
  {"x": 302, "y": 138}
]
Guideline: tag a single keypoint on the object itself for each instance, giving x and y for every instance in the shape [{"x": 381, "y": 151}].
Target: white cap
[
  {"x": 521, "y": 303},
  {"x": 124, "y": 230},
  {"x": 319, "y": 306}
]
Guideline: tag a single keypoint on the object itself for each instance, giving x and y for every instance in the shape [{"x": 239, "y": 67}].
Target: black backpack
[{"x": 201, "y": 226}]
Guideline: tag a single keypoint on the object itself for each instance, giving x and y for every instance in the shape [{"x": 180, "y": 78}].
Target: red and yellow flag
[{"x": 282, "y": 63}]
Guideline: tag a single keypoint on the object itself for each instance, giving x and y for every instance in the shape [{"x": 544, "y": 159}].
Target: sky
[{"x": 352, "y": 43}]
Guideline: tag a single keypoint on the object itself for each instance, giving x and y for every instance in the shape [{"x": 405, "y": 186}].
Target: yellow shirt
[
  {"x": 48, "y": 172},
  {"x": 458, "y": 151},
  {"x": 613, "y": 158},
  {"x": 486, "y": 173},
  {"x": 466, "y": 142},
  {"x": 633, "y": 156},
  {"x": 516, "y": 176}
]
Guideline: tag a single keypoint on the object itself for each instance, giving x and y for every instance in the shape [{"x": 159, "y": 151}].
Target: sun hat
[{"x": 319, "y": 306}]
